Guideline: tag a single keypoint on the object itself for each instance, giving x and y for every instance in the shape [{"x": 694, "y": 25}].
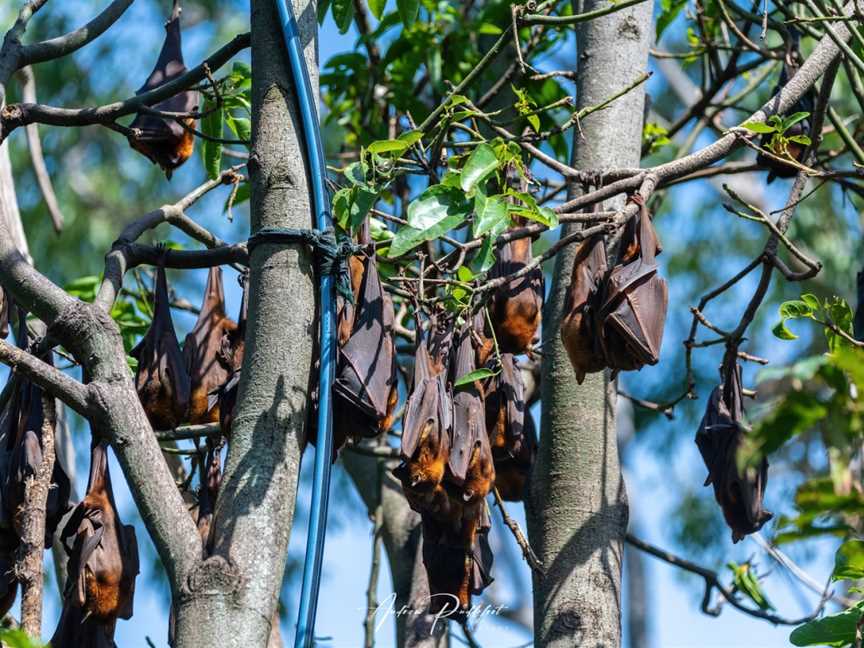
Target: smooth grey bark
[
  {"x": 402, "y": 543},
  {"x": 577, "y": 510},
  {"x": 230, "y": 599}
]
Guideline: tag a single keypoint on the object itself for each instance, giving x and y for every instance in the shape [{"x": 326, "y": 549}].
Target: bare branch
[
  {"x": 15, "y": 115},
  {"x": 123, "y": 255},
  {"x": 74, "y": 40},
  {"x": 712, "y": 582},
  {"x": 28, "y": 92}
]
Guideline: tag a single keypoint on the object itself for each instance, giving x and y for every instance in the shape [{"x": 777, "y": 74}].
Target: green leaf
[
  {"x": 793, "y": 119},
  {"x": 849, "y": 561},
  {"x": 350, "y": 206},
  {"x": 480, "y": 164},
  {"x": 408, "y": 10},
  {"x": 532, "y": 210},
  {"x": 241, "y": 127},
  {"x": 84, "y": 288},
  {"x": 669, "y": 11},
  {"x": 323, "y": 6},
  {"x": 377, "y": 7},
  {"x": 18, "y": 639},
  {"x": 780, "y": 331},
  {"x": 355, "y": 173},
  {"x": 211, "y": 125},
  {"x": 388, "y": 146},
  {"x": 757, "y": 127},
  {"x": 811, "y": 300},
  {"x": 835, "y": 630},
  {"x": 435, "y": 205},
  {"x": 534, "y": 120},
  {"x": 343, "y": 14},
  {"x": 408, "y": 237},
  {"x": 395, "y": 147},
  {"x": 795, "y": 308},
  {"x": 471, "y": 376},
  {"x": 485, "y": 257},
  {"x": 490, "y": 215},
  {"x": 803, "y": 140}
]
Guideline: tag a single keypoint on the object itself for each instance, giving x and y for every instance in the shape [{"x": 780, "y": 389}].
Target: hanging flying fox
[
  {"x": 5, "y": 311},
  {"x": 579, "y": 334},
  {"x": 162, "y": 380},
  {"x": 426, "y": 434},
  {"x": 25, "y": 453},
  {"x": 162, "y": 140},
  {"x": 511, "y": 430},
  {"x": 470, "y": 465},
  {"x": 516, "y": 307},
  {"x": 232, "y": 352},
  {"x": 720, "y": 435},
  {"x": 365, "y": 389},
  {"x": 103, "y": 564},
  {"x": 456, "y": 572},
  {"x": 202, "y": 351},
  {"x": 632, "y": 311}
]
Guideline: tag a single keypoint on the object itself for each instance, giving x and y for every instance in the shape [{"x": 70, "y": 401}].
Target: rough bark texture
[
  {"x": 229, "y": 600},
  {"x": 578, "y": 507},
  {"x": 29, "y": 567},
  {"x": 401, "y": 536}
]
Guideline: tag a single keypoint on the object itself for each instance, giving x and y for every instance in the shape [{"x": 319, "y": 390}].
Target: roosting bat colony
[{"x": 466, "y": 430}]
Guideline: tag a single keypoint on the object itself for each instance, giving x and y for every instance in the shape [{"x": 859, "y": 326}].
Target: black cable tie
[{"x": 331, "y": 255}]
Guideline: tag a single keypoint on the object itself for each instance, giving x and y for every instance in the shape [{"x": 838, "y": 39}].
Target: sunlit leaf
[
  {"x": 849, "y": 561},
  {"x": 477, "y": 374},
  {"x": 436, "y": 204},
  {"x": 480, "y": 165},
  {"x": 834, "y": 630}
]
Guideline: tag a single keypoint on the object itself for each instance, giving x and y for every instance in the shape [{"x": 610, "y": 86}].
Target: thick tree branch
[{"x": 113, "y": 406}]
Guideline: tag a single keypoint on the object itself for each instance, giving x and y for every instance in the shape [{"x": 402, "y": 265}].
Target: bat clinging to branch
[
  {"x": 578, "y": 331},
  {"x": 103, "y": 564},
  {"x": 516, "y": 306},
  {"x": 426, "y": 431},
  {"x": 202, "y": 351},
  {"x": 511, "y": 430},
  {"x": 365, "y": 383},
  {"x": 164, "y": 140},
  {"x": 162, "y": 381},
  {"x": 632, "y": 313},
  {"x": 738, "y": 490}
]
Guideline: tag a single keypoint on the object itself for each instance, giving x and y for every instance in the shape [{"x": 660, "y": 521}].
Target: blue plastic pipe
[{"x": 307, "y": 101}]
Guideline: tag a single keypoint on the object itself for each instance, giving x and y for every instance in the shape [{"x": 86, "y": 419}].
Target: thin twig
[{"x": 530, "y": 557}]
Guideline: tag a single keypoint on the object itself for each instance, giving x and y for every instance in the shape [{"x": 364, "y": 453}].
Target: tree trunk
[
  {"x": 229, "y": 601},
  {"x": 578, "y": 507}
]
